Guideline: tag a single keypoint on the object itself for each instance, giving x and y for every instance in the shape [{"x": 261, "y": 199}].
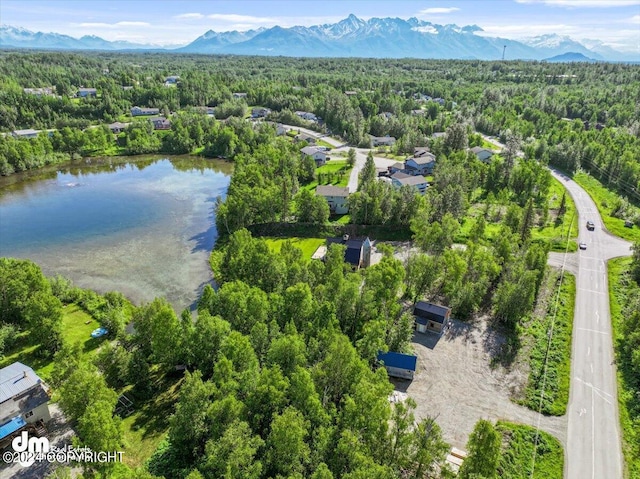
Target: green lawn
[
  {"x": 307, "y": 245},
  {"x": 556, "y": 376},
  {"x": 604, "y": 200},
  {"x": 320, "y": 142},
  {"x": 628, "y": 401},
  {"x": 516, "y": 460},
  {"x": 76, "y": 328},
  {"x": 334, "y": 172},
  {"x": 149, "y": 424}
]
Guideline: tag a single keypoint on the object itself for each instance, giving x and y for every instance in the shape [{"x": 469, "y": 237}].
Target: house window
[{"x": 29, "y": 414}]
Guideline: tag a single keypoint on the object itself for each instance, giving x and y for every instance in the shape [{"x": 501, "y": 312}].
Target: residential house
[
  {"x": 382, "y": 140},
  {"x": 431, "y": 317},
  {"x": 127, "y": 87},
  {"x": 439, "y": 101},
  {"x": 86, "y": 92},
  {"x": 240, "y": 95},
  {"x": 305, "y": 115},
  {"x": 304, "y": 137},
  {"x": 205, "y": 110},
  {"x": 28, "y": 133},
  {"x": 24, "y": 402},
  {"x": 281, "y": 130},
  {"x": 350, "y": 92},
  {"x": 160, "y": 123},
  {"x": 419, "y": 182},
  {"x": 357, "y": 252},
  {"x": 438, "y": 134},
  {"x": 418, "y": 112},
  {"x": 259, "y": 112},
  {"x": 318, "y": 155},
  {"x": 138, "y": 111},
  {"x": 387, "y": 115},
  {"x": 421, "y": 163},
  {"x": 336, "y": 197},
  {"x": 482, "y": 154},
  {"x": 399, "y": 365},
  {"x": 172, "y": 79},
  {"x": 117, "y": 127},
  {"x": 396, "y": 168},
  {"x": 46, "y": 91}
]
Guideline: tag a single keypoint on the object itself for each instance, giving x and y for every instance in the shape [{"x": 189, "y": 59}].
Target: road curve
[{"x": 593, "y": 436}]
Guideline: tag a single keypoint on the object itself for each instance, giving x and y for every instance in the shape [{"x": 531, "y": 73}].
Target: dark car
[{"x": 590, "y": 225}]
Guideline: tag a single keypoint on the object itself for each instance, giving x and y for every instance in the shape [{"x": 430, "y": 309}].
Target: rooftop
[
  {"x": 398, "y": 360},
  {"x": 330, "y": 190},
  {"x": 15, "y": 379}
]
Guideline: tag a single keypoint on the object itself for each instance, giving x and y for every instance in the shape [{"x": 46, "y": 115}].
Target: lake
[{"x": 141, "y": 226}]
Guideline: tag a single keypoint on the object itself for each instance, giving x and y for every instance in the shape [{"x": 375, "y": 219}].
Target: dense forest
[
  {"x": 570, "y": 115},
  {"x": 275, "y": 375}
]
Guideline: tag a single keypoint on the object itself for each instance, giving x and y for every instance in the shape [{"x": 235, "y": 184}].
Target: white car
[{"x": 582, "y": 245}]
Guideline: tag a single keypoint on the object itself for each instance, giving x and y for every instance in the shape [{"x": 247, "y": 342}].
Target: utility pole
[{"x": 503, "y": 50}]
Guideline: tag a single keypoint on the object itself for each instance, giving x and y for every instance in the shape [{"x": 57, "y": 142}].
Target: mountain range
[{"x": 351, "y": 37}]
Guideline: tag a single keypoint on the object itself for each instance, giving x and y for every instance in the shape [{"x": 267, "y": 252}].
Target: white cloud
[
  {"x": 635, "y": 19},
  {"x": 189, "y": 16},
  {"x": 585, "y": 3},
  {"x": 247, "y": 19},
  {"x": 438, "y": 10},
  {"x": 112, "y": 25}
]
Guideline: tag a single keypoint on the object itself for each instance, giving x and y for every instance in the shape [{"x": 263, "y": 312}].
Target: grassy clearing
[
  {"x": 555, "y": 230},
  {"x": 557, "y": 352},
  {"x": 333, "y": 172},
  {"x": 628, "y": 400},
  {"x": 149, "y": 424},
  {"x": 307, "y": 245},
  {"x": 604, "y": 200},
  {"x": 516, "y": 461},
  {"x": 76, "y": 328}
]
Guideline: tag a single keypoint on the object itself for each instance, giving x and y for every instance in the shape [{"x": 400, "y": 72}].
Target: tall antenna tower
[{"x": 503, "y": 50}]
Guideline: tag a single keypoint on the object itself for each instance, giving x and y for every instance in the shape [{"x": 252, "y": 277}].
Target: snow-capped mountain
[
  {"x": 16, "y": 37},
  {"x": 351, "y": 37}
]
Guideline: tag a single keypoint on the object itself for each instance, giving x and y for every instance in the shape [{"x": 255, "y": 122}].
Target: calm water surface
[{"x": 142, "y": 227}]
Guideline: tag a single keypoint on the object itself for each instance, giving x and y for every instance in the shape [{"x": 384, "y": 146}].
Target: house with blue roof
[
  {"x": 398, "y": 365},
  {"x": 24, "y": 400}
]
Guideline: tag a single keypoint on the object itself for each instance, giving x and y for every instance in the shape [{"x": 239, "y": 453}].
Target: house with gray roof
[
  {"x": 336, "y": 197},
  {"x": 24, "y": 400},
  {"x": 419, "y": 182}
]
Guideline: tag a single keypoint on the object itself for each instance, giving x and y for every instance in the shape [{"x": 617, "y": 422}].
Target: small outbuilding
[
  {"x": 399, "y": 365},
  {"x": 431, "y": 317}
]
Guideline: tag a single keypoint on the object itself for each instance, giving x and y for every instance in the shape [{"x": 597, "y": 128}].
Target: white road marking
[
  {"x": 591, "y": 291},
  {"x": 593, "y": 438},
  {"x": 582, "y": 411},
  {"x": 588, "y": 350},
  {"x": 591, "y": 365},
  {"x": 597, "y": 317},
  {"x": 592, "y": 330}
]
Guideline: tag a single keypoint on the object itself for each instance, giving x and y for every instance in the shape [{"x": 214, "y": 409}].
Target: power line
[{"x": 546, "y": 355}]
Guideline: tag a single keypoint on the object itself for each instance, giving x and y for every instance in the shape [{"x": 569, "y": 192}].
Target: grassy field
[
  {"x": 628, "y": 402},
  {"x": 516, "y": 461},
  {"x": 149, "y": 424},
  {"x": 76, "y": 328},
  {"x": 556, "y": 377},
  {"x": 334, "y": 172},
  {"x": 554, "y": 231},
  {"x": 604, "y": 199},
  {"x": 307, "y": 245}
]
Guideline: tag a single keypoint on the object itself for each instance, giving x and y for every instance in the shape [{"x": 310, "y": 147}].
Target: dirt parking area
[{"x": 456, "y": 383}]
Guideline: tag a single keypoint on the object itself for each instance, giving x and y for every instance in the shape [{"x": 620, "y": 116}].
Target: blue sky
[{"x": 614, "y": 22}]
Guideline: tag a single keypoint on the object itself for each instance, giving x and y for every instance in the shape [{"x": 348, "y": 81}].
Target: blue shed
[{"x": 399, "y": 365}]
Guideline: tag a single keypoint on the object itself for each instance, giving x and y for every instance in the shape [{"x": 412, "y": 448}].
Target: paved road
[
  {"x": 340, "y": 146},
  {"x": 593, "y": 436}
]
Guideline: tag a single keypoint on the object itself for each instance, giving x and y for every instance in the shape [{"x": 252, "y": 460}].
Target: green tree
[
  {"x": 351, "y": 157},
  {"x": 428, "y": 449},
  {"x": 287, "y": 452},
  {"x": 233, "y": 456},
  {"x": 368, "y": 173},
  {"x": 483, "y": 449}
]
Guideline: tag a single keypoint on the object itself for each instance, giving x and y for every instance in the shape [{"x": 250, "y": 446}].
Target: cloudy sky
[{"x": 614, "y": 22}]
